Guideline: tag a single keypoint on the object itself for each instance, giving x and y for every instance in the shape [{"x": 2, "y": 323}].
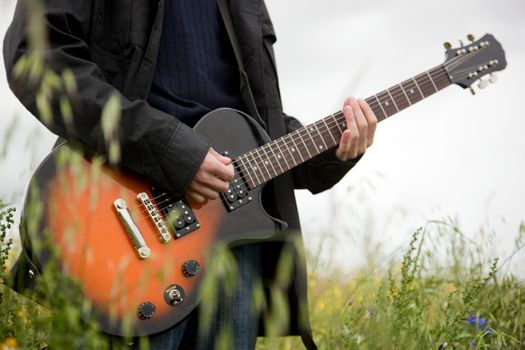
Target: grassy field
[{"x": 420, "y": 302}]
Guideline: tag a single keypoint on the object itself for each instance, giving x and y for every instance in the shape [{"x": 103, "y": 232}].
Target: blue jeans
[{"x": 235, "y": 312}]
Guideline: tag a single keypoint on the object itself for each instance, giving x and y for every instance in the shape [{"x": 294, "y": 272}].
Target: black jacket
[{"x": 111, "y": 47}]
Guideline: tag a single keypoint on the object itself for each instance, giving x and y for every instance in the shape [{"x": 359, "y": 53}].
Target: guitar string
[
  {"x": 331, "y": 119},
  {"x": 453, "y": 62},
  {"x": 324, "y": 130},
  {"x": 256, "y": 157},
  {"x": 271, "y": 157},
  {"x": 436, "y": 78},
  {"x": 441, "y": 73},
  {"x": 321, "y": 132}
]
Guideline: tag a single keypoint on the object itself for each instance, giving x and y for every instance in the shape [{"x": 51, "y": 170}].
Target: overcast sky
[{"x": 451, "y": 155}]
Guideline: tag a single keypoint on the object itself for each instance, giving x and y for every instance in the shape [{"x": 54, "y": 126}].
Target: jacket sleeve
[
  {"x": 152, "y": 143},
  {"x": 321, "y": 172}
]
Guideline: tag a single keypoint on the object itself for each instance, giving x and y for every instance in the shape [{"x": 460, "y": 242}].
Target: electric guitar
[{"x": 141, "y": 254}]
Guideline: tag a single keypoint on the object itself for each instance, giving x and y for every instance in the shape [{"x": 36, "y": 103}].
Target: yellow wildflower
[{"x": 10, "y": 343}]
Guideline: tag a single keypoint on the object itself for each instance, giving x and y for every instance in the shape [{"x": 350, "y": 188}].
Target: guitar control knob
[
  {"x": 146, "y": 310},
  {"x": 190, "y": 268},
  {"x": 174, "y": 295}
]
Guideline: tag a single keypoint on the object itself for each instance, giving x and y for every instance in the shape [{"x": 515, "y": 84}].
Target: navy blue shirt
[{"x": 196, "y": 69}]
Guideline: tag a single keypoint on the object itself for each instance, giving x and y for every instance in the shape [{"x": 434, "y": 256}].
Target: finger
[
  {"x": 371, "y": 118},
  {"x": 344, "y": 145},
  {"x": 196, "y": 197},
  {"x": 204, "y": 191},
  {"x": 210, "y": 181},
  {"x": 224, "y": 160},
  {"x": 223, "y": 167},
  {"x": 362, "y": 125},
  {"x": 351, "y": 125},
  {"x": 215, "y": 183}
]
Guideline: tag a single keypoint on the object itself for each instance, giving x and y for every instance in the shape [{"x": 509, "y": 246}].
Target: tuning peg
[
  {"x": 471, "y": 37},
  {"x": 447, "y": 45},
  {"x": 493, "y": 78},
  {"x": 483, "y": 84},
  {"x": 472, "y": 91},
  {"x": 461, "y": 43}
]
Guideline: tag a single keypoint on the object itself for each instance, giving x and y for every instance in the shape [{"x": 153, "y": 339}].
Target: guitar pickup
[
  {"x": 179, "y": 217},
  {"x": 237, "y": 195},
  {"x": 155, "y": 217}
]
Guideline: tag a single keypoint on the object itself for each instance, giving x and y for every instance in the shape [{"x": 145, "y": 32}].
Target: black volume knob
[
  {"x": 190, "y": 268},
  {"x": 146, "y": 310}
]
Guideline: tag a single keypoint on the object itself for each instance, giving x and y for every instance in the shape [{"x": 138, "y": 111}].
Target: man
[{"x": 171, "y": 62}]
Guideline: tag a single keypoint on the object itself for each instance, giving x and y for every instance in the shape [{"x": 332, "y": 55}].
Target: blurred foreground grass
[{"x": 421, "y": 302}]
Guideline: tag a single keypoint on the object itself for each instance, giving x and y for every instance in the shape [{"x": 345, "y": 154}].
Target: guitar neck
[{"x": 282, "y": 154}]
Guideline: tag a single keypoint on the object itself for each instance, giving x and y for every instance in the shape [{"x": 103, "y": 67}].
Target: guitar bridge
[
  {"x": 155, "y": 217},
  {"x": 133, "y": 231}
]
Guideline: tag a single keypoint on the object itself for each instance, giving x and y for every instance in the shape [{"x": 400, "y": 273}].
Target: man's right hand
[{"x": 212, "y": 178}]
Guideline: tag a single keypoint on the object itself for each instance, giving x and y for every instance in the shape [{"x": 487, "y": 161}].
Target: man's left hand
[{"x": 361, "y": 125}]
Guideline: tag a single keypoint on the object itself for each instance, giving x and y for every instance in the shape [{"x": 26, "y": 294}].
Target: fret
[
  {"x": 304, "y": 142},
  {"x": 340, "y": 126},
  {"x": 393, "y": 100},
  {"x": 432, "y": 81},
  {"x": 309, "y": 131},
  {"x": 387, "y": 104},
  {"x": 320, "y": 148},
  {"x": 295, "y": 149},
  {"x": 425, "y": 85},
  {"x": 287, "y": 149},
  {"x": 402, "y": 101},
  {"x": 281, "y": 155},
  {"x": 263, "y": 164},
  {"x": 329, "y": 130},
  {"x": 404, "y": 92},
  {"x": 419, "y": 89},
  {"x": 276, "y": 158},
  {"x": 268, "y": 159},
  {"x": 441, "y": 78},
  {"x": 246, "y": 172},
  {"x": 382, "y": 109},
  {"x": 254, "y": 168},
  {"x": 410, "y": 87}
]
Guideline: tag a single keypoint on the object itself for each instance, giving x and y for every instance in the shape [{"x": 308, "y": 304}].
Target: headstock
[{"x": 469, "y": 63}]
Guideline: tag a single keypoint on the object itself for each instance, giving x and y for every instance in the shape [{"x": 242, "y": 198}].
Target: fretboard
[{"x": 282, "y": 154}]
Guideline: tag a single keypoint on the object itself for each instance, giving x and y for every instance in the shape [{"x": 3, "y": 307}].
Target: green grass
[{"x": 423, "y": 301}]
